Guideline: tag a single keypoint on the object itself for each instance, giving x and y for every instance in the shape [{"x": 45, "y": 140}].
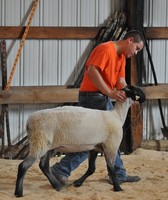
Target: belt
[{"x": 86, "y": 94}]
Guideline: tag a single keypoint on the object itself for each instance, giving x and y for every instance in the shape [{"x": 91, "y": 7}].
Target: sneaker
[
  {"x": 130, "y": 179},
  {"x": 60, "y": 178}
]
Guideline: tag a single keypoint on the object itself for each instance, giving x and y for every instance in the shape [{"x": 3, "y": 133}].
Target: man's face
[{"x": 133, "y": 48}]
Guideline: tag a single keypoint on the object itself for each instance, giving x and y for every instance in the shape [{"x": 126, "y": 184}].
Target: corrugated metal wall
[
  {"x": 155, "y": 15},
  {"x": 58, "y": 62},
  {"x": 49, "y": 62}
]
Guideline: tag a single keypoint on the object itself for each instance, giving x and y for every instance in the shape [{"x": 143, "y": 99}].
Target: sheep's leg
[
  {"x": 45, "y": 168},
  {"x": 22, "y": 169},
  {"x": 90, "y": 170},
  {"x": 111, "y": 170}
]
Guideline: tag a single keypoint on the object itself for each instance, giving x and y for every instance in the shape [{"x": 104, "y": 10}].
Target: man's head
[{"x": 134, "y": 42}]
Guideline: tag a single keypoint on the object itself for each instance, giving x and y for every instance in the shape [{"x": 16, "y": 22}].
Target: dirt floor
[{"x": 150, "y": 165}]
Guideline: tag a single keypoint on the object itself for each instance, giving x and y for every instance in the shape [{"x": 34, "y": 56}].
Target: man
[{"x": 105, "y": 71}]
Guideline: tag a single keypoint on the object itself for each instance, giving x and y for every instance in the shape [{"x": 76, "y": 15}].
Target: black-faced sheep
[{"x": 76, "y": 129}]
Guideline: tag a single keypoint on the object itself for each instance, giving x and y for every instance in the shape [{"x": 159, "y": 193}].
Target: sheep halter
[{"x": 21, "y": 44}]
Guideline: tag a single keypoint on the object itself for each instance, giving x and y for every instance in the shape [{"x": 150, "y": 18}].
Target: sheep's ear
[{"x": 127, "y": 91}]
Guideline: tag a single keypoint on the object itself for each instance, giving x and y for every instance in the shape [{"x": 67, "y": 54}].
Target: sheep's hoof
[
  {"x": 59, "y": 188},
  {"x": 77, "y": 183},
  {"x": 18, "y": 195},
  {"x": 117, "y": 188}
]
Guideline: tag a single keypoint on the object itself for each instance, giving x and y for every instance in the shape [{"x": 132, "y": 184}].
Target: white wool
[{"x": 75, "y": 129}]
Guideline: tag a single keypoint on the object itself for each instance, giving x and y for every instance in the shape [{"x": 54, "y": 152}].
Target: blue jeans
[{"x": 72, "y": 160}]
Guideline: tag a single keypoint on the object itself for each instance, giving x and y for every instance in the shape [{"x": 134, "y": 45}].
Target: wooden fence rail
[
  {"x": 16, "y": 32},
  {"x": 62, "y": 94}
]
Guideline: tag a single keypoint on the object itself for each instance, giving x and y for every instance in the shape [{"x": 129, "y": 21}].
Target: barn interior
[{"x": 44, "y": 45}]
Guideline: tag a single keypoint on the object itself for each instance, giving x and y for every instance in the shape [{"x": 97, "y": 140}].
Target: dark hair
[{"x": 136, "y": 35}]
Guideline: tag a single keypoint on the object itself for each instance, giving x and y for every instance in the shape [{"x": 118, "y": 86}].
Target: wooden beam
[
  {"x": 16, "y": 32},
  {"x": 156, "y": 32},
  {"x": 156, "y": 92},
  {"x": 38, "y": 94},
  {"x": 62, "y": 94},
  {"x": 158, "y": 145}
]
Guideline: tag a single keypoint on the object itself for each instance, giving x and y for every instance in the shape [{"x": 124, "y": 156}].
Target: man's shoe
[
  {"x": 60, "y": 178},
  {"x": 130, "y": 179}
]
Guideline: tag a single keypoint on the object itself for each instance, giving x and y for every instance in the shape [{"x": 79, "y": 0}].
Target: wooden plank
[
  {"x": 158, "y": 145},
  {"x": 38, "y": 94},
  {"x": 16, "y": 32},
  {"x": 156, "y": 92},
  {"x": 62, "y": 94},
  {"x": 156, "y": 32}
]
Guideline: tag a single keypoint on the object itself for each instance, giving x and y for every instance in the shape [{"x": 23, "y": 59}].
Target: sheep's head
[{"x": 134, "y": 93}]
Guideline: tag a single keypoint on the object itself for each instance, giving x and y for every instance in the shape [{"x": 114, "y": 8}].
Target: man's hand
[{"x": 120, "y": 96}]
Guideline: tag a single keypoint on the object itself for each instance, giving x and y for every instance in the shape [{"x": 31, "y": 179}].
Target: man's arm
[
  {"x": 98, "y": 81},
  {"x": 121, "y": 83}
]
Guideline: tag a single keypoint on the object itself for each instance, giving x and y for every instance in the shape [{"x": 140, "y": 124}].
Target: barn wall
[
  {"x": 155, "y": 15},
  {"x": 58, "y": 62},
  {"x": 49, "y": 62}
]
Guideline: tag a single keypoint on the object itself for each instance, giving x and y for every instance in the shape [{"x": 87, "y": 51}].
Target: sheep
[{"x": 75, "y": 129}]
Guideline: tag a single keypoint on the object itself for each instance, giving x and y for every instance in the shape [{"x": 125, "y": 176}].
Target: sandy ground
[{"x": 150, "y": 165}]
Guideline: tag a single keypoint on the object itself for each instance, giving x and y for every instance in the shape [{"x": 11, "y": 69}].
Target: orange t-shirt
[{"x": 111, "y": 66}]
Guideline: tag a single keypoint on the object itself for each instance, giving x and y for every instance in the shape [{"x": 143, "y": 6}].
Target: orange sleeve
[{"x": 99, "y": 58}]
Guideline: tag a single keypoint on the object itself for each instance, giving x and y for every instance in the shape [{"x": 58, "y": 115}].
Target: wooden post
[
  {"x": 136, "y": 112},
  {"x": 135, "y": 21}
]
